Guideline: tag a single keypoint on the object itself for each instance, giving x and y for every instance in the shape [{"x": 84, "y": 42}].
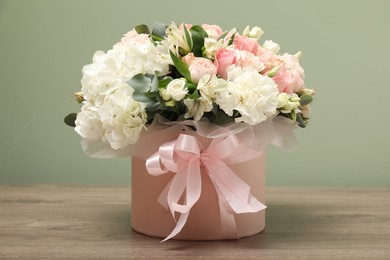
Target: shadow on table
[{"x": 286, "y": 224}]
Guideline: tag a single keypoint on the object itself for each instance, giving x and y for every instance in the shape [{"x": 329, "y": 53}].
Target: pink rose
[
  {"x": 246, "y": 44},
  {"x": 200, "y": 67},
  {"x": 290, "y": 75},
  {"x": 213, "y": 31},
  {"x": 223, "y": 59}
]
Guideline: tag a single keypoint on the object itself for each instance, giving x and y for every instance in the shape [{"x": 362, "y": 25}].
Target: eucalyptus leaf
[
  {"x": 141, "y": 97},
  {"x": 300, "y": 120},
  {"x": 142, "y": 28},
  {"x": 154, "y": 84},
  {"x": 305, "y": 100},
  {"x": 152, "y": 106},
  {"x": 181, "y": 66},
  {"x": 140, "y": 83},
  {"x": 159, "y": 30}
]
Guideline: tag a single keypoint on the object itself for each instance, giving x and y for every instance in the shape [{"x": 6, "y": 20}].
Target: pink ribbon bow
[{"x": 185, "y": 156}]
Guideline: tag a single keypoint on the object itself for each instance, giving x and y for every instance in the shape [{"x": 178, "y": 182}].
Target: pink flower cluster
[{"x": 245, "y": 51}]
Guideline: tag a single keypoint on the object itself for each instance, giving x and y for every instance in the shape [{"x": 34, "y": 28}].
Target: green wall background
[{"x": 345, "y": 44}]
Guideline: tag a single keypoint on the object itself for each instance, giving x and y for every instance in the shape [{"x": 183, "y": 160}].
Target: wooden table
[{"x": 50, "y": 222}]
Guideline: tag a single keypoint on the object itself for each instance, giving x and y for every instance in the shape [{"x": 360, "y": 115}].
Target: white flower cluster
[{"x": 109, "y": 113}]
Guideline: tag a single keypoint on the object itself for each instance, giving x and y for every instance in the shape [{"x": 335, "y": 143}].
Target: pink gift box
[{"x": 204, "y": 222}]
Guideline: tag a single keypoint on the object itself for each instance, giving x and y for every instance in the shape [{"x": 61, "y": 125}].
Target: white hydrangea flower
[
  {"x": 253, "y": 95},
  {"x": 88, "y": 124},
  {"x": 122, "y": 118},
  {"x": 142, "y": 56},
  {"x": 100, "y": 78}
]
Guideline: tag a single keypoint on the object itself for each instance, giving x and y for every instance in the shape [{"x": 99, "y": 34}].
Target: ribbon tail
[
  {"x": 193, "y": 185},
  {"x": 235, "y": 191},
  {"x": 179, "y": 226},
  {"x": 228, "y": 221}
]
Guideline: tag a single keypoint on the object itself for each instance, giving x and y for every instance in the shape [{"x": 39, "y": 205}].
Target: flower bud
[
  {"x": 165, "y": 94},
  {"x": 79, "y": 96}
]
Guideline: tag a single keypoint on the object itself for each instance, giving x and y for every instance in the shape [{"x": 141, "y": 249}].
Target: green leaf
[
  {"x": 200, "y": 30},
  {"x": 198, "y": 35},
  {"x": 305, "y": 100},
  {"x": 159, "y": 30},
  {"x": 223, "y": 35},
  {"x": 142, "y": 28},
  {"x": 273, "y": 72},
  {"x": 300, "y": 120},
  {"x": 153, "y": 106},
  {"x": 232, "y": 39},
  {"x": 182, "y": 52},
  {"x": 156, "y": 38},
  {"x": 70, "y": 119},
  {"x": 181, "y": 66},
  {"x": 141, "y": 97},
  {"x": 171, "y": 103},
  {"x": 188, "y": 37},
  {"x": 140, "y": 83},
  {"x": 194, "y": 95},
  {"x": 191, "y": 87},
  {"x": 164, "y": 82}
]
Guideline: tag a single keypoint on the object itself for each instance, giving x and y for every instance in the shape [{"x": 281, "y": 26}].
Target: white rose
[
  {"x": 176, "y": 89},
  {"x": 271, "y": 46},
  {"x": 255, "y": 32}
]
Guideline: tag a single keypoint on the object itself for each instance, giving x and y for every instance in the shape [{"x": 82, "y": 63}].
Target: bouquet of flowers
[
  {"x": 189, "y": 99},
  {"x": 187, "y": 72}
]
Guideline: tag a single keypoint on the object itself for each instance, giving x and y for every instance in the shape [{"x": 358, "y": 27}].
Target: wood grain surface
[{"x": 61, "y": 222}]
